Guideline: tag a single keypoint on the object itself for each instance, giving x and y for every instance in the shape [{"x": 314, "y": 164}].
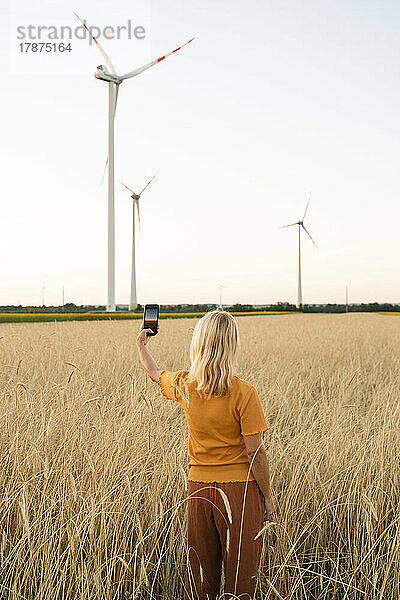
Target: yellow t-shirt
[{"x": 216, "y": 426}]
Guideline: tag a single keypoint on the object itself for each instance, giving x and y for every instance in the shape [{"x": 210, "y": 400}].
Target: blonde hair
[{"x": 212, "y": 352}]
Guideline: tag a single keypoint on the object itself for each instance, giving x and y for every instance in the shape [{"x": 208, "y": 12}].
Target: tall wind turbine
[
  {"x": 114, "y": 81},
  {"x": 301, "y": 226},
  {"x": 135, "y": 198},
  {"x": 220, "y": 295}
]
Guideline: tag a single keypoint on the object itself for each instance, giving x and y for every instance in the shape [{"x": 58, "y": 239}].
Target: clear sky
[{"x": 272, "y": 99}]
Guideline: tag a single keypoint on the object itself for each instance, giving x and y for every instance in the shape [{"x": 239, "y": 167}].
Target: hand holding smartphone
[{"x": 150, "y": 318}]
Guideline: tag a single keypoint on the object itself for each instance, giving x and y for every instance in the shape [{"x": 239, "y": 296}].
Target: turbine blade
[
  {"x": 152, "y": 63},
  {"x": 116, "y": 89},
  {"x": 147, "y": 184},
  {"x": 105, "y": 169},
  {"x": 309, "y": 236},
  {"x": 128, "y": 188},
  {"x": 115, "y": 108},
  {"x": 105, "y": 55},
  {"x": 290, "y": 225},
  {"x": 309, "y": 198},
  {"x": 138, "y": 214}
]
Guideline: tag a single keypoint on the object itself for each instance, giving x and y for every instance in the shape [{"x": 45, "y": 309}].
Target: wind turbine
[
  {"x": 220, "y": 295},
  {"x": 114, "y": 81},
  {"x": 301, "y": 225},
  {"x": 136, "y": 198}
]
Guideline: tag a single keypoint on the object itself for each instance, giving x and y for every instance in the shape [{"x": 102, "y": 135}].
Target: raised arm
[{"x": 146, "y": 358}]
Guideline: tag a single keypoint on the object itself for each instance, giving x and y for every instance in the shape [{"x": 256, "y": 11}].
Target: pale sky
[{"x": 271, "y": 99}]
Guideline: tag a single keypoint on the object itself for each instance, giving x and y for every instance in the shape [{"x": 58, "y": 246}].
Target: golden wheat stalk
[
  {"x": 265, "y": 528},
  {"x": 184, "y": 396},
  {"x": 227, "y": 504}
]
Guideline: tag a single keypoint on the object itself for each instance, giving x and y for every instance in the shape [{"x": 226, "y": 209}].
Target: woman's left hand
[{"x": 269, "y": 508}]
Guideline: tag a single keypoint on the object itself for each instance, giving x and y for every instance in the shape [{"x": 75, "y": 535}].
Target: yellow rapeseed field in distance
[
  {"x": 131, "y": 314},
  {"x": 94, "y": 459},
  {"x": 25, "y": 317}
]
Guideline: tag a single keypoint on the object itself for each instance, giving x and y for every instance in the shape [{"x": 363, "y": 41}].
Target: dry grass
[{"x": 93, "y": 458}]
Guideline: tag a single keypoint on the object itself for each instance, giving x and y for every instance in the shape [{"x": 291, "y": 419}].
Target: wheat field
[{"x": 94, "y": 459}]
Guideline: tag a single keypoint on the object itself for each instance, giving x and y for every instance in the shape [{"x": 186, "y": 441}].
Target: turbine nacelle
[
  {"x": 104, "y": 75},
  {"x": 135, "y": 196}
]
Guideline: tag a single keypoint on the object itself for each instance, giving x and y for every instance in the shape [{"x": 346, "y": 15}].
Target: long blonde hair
[{"x": 212, "y": 352}]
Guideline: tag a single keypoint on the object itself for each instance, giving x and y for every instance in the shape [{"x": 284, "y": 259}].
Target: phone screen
[
  {"x": 151, "y": 314},
  {"x": 150, "y": 320}
]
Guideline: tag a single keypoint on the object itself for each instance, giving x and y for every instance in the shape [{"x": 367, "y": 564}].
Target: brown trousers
[{"x": 215, "y": 536}]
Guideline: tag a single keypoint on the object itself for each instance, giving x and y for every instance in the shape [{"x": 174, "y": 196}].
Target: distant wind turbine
[
  {"x": 301, "y": 225},
  {"x": 114, "y": 81},
  {"x": 136, "y": 198}
]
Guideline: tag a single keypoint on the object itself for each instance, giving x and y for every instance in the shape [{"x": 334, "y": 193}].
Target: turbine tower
[
  {"x": 114, "y": 81},
  {"x": 301, "y": 226},
  {"x": 135, "y": 198}
]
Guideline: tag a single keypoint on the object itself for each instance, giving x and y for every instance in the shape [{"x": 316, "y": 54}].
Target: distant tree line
[
  {"x": 67, "y": 308},
  {"x": 340, "y": 308},
  {"x": 201, "y": 308}
]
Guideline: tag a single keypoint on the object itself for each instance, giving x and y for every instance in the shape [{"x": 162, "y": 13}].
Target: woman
[{"x": 229, "y": 494}]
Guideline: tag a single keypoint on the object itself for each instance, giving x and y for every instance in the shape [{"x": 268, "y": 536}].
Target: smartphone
[{"x": 150, "y": 317}]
